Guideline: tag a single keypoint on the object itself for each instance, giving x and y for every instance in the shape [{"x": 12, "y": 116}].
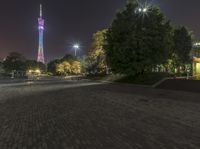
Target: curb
[
  {"x": 120, "y": 83},
  {"x": 160, "y": 82}
]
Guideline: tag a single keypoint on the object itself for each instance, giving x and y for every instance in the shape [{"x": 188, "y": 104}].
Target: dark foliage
[
  {"x": 182, "y": 46},
  {"x": 15, "y": 62},
  {"x": 137, "y": 42}
]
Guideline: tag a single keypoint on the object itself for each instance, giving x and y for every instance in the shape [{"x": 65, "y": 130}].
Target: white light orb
[
  {"x": 76, "y": 46},
  {"x": 145, "y": 10}
]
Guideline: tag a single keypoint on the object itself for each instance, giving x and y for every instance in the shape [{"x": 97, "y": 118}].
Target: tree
[
  {"x": 75, "y": 67},
  {"x": 51, "y": 66},
  {"x": 96, "y": 59},
  {"x": 84, "y": 64},
  {"x": 63, "y": 68},
  {"x": 137, "y": 41},
  {"x": 60, "y": 68},
  {"x": 34, "y": 65},
  {"x": 15, "y": 62},
  {"x": 1, "y": 68},
  {"x": 182, "y": 46},
  {"x": 68, "y": 57},
  {"x": 42, "y": 67}
]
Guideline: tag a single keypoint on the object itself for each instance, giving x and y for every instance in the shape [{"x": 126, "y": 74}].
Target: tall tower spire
[
  {"x": 40, "y": 10},
  {"x": 40, "y": 57}
]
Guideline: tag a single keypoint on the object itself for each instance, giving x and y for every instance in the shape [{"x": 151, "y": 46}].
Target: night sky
[{"x": 70, "y": 21}]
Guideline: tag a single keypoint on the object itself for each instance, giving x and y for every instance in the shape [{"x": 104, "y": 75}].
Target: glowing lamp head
[
  {"x": 76, "y": 46},
  {"x": 140, "y": 10},
  {"x": 38, "y": 71},
  {"x": 145, "y": 10}
]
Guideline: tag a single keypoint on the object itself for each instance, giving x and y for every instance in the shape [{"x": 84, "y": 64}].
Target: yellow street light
[{"x": 38, "y": 71}]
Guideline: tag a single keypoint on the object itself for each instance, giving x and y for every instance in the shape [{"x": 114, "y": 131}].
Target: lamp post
[{"x": 76, "y": 47}]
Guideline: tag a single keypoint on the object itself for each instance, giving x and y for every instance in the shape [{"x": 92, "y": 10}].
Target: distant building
[{"x": 195, "y": 54}]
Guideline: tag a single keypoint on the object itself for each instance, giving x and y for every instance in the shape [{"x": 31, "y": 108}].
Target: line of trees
[
  {"x": 140, "y": 42},
  {"x": 16, "y": 62},
  {"x": 68, "y": 65}
]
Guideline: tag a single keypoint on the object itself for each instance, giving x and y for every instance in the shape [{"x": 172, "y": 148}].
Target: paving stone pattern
[{"x": 101, "y": 117}]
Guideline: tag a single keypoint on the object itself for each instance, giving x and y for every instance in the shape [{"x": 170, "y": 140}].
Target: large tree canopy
[
  {"x": 52, "y": 66},
  {"x": 67, "y": 65},
  {"x": 138, "y": 39},
  {"x": 15, "y": 61}
]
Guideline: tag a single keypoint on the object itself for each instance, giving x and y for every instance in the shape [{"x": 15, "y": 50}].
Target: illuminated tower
[{"x": 40, "y": 57}]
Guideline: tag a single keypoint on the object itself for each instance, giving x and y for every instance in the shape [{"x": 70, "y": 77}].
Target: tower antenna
[{"x": 41, "y": 10}]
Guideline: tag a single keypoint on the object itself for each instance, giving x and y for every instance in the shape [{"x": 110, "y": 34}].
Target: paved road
[{"x": 92, "y": 115}]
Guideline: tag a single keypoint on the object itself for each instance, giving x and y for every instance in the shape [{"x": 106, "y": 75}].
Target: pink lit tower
[{"x": 40, "y": 57}]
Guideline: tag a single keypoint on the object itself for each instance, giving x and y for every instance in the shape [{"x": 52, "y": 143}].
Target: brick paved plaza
[{"x": 97, "y": 116}]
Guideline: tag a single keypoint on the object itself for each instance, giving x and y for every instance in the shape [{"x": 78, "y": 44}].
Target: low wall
[{"x": 181, "y": 85}]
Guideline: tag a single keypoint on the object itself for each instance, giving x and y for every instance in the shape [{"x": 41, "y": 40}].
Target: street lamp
[{"x": 76, "y": 47}]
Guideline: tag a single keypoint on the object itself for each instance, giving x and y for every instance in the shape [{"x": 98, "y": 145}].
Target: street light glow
[
  {"x": 76, "y": 46},
  {"x": 142, "y": 10},
  {"x": 38, "y": 71},
  {"x": 145, "y": 10}
]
